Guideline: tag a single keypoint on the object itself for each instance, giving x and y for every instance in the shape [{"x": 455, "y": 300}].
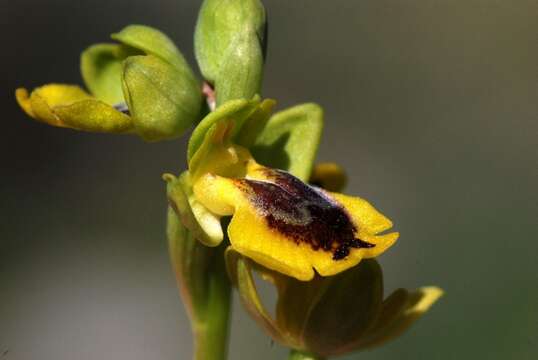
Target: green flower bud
[
  {"x": 230, "y": 40},
  {"x": 141, "y": 85},
  {"x": 334, "y": 315}
]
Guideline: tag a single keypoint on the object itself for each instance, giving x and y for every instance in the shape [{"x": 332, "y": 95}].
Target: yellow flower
[
  {"x": 330, "y": 316},
  {"x": 142, "y": 85},
  {"x": 279, "y": 221}
]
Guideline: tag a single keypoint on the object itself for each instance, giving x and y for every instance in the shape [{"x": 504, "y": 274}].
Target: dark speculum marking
[
  {"x": 303, "y": 213},
  {"x": 122, "y": 107}
]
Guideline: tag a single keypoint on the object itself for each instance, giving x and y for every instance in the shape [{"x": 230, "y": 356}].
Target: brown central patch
[{"x": 304, "y": 213}]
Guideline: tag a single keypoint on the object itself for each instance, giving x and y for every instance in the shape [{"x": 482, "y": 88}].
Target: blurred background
[{"x": 430, "y": 105}]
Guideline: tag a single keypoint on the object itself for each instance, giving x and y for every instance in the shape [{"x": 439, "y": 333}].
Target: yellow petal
[
  {"x": 366, "y": 216},
  {"x": 70, "y": 106},
  {"x": 23, "y": 99}
]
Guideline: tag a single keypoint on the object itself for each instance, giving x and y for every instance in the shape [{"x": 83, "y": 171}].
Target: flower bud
[
  {"x": 329, "y": 176},
  {"x": 141, "y": 85},
  {"x": 334, "y": 315},
  {"x": 230, "y": 41}
]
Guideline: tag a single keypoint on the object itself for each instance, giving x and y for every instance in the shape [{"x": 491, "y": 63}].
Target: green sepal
[
  {"x": 190, "y": 262},
  {"x": 204, "y": 226},
  {"x": 356, "y": 296},
  {"x": 290, "y": 140},
  {"x": 400, "y": 310},
  {"x": 219, "y": 23},
  {"x": 240, "y": 273},
  {"x": 152, "y": 42},
  {"x": 101, "y": 68},
  {"x": 162, "y": 100},
  {"x": 241, "y": 70},
  {"x": 94, "y": 116}
]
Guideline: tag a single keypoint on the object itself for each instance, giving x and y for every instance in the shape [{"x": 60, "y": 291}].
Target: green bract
[
  {"x": 204, "y": 287},
  {"x": 229, "y": 41}
]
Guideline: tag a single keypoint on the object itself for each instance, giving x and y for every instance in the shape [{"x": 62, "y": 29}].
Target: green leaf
[
  {"x": 162, "y": 99},
  {"x": 290, "y": 140}
]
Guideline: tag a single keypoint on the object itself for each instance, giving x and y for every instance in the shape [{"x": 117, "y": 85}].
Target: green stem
[
  {"x": 211, "y": 336},
  {"x": 301, "y": 355},
  {"x": 204, "y": 287}
]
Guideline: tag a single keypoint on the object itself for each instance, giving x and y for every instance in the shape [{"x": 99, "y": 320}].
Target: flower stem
[
  {"x": 300, "y": 355},
  {"x": 211, "y": 335}
]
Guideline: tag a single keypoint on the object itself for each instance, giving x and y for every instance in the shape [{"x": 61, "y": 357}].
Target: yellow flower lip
[
  {"x": 278, "y": 220},
  {"x": 303, "y": 213},
  {"x": 284, "y": 224}
]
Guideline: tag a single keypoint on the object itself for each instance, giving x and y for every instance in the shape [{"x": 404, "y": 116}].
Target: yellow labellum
[{"x": 281, "y": 222}]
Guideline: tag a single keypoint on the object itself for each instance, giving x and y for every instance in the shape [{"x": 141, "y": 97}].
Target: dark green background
[{"x": 430, "y": 105}]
